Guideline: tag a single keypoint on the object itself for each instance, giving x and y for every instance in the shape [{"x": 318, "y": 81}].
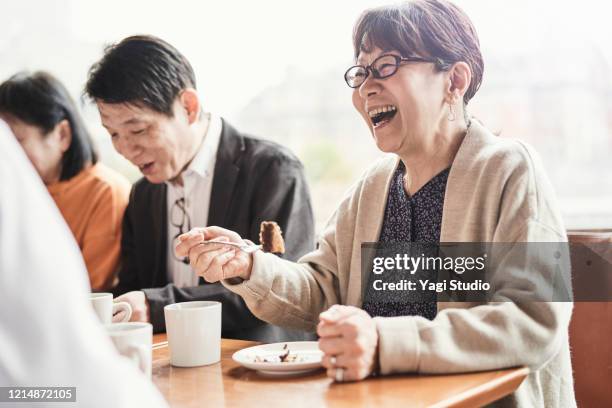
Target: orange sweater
[{"x": 93, "y": 203}]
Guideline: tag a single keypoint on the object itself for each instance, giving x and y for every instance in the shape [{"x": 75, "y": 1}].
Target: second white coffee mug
[
  {"x": 194, "y": 333},
  {"x": 134, "y": 340},
  {"x": 105, "y": 308}
]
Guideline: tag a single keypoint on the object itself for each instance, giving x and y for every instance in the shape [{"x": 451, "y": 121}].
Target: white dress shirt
[
  {"x": 49, "y": 334},
  {"x": 196, "y": 189}
]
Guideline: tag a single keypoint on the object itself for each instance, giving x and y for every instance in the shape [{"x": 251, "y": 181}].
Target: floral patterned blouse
[{"x": 413, "y": 219}]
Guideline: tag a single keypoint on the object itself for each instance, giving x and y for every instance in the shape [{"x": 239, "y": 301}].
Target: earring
[{"x": 451, "y": 112}]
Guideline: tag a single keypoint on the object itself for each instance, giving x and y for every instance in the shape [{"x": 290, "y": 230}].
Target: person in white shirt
[
  {"x": 198, "y": 170},
  {"x": 49, "y": 334}
]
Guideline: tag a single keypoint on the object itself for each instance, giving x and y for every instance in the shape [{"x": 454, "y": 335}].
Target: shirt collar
[{"x": 208, "y": 148}]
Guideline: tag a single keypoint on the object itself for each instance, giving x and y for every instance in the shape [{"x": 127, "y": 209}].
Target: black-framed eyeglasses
[
  {"x": 382, "y": 67},
  {"x": 180, "y": 219}
]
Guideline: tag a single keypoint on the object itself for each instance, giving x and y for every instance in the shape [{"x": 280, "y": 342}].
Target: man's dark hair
[
  {"x": 40, "y": 100},
  {"x": 140, "y": 70}
]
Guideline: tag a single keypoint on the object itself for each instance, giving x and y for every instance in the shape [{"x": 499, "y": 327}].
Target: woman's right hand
[{"x": 214, "y": 262}]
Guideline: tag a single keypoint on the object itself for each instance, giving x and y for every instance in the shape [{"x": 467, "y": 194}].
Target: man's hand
[
  {"x": 214, "y": 262},
  {"x": 139, "y": 304},
  {"x": 349, "y": 341}
]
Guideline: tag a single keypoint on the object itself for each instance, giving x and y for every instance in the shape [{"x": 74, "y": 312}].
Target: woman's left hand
[{"x": 349, "y": 341}]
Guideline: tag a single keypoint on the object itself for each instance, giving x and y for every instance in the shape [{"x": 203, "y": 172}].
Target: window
[{"x": 547, "y": 81}]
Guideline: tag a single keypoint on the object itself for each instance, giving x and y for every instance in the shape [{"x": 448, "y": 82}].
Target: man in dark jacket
[{"x": 198, "y": 171}]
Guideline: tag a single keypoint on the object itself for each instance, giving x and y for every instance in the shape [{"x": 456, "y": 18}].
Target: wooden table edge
[
  {"x": 487, "y": 393},
  {"x": 477, "y": 396}
]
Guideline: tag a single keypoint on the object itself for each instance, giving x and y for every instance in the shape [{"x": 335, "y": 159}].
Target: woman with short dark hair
[
  {"x": 91, "y": 197},
  {"x": 447, "y": 179}
]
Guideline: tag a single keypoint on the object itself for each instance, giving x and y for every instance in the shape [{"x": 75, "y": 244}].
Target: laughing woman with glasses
[
  {"x": 447, "y": 179},
  {"x": 91, "y": 197}
]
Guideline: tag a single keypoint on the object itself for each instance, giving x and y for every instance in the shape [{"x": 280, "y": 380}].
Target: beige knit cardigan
[{"x": 497, "y": 191}]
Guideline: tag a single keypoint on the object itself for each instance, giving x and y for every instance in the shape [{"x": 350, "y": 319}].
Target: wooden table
[{"x": 229, "y": 384}]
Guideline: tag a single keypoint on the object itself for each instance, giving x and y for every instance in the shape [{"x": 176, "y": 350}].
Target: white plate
[{"x": 307, "y": 351}]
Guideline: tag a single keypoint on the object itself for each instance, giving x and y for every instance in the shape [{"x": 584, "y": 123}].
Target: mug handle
[
  {"x": 138, "y": 354},
  {"x": 123, "y": 307}
]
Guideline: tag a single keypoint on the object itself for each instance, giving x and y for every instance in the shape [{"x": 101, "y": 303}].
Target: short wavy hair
[{"x": 435, "y": 29}]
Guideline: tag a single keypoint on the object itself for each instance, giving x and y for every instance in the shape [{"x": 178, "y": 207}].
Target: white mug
[
  {"x": 194, "y": 333},
  {"x": 105, "y": 308},
  {"x": 134, "y": 340}
]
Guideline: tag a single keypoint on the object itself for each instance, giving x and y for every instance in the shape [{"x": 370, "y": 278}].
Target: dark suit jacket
[{"x": 254, "y": 180}]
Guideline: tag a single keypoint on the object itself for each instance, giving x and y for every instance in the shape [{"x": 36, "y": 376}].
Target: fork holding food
[{"x": 211, "y": 256}]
